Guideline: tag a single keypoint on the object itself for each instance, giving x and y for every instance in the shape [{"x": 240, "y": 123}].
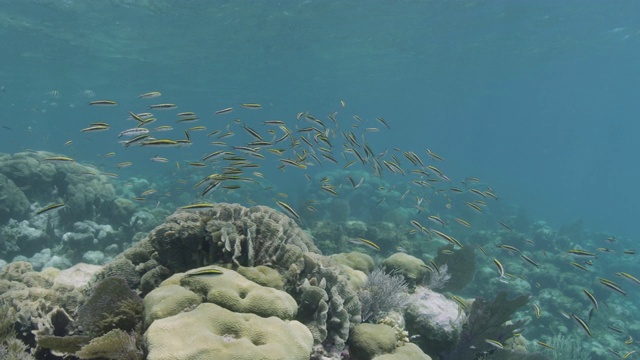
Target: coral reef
[
  {"x": 87, "y": 193},
  {"x": 233, "y": 236},
  {"x": 31, "y": 181}
]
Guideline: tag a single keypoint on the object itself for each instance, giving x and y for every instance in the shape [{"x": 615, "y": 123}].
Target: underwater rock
[
  {"x": 77, "y": 276},
  {"x": 87, "y": 235},
  {"x": 213, "y": 332},
  {"x": 436, "y": 318},
  {"x": 44, "y": 259},
  {"x": 94, "y": 257},
  {"x": 353, "y": 228},
  {"x": 57, "y": 262},
  {"x": 38, "y": 260},
  {"x": 226, "y": 234}
]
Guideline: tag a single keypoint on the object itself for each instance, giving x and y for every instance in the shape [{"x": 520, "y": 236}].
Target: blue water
[
  {"x": 537, "y": 99},
  {"x": 534, "y": 98}
]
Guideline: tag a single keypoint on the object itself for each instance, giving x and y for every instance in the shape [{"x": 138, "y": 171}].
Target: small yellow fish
[
  {"x": 204, "y": 271},
  {"x": 150, "y": 95},
  {"x": 103, "y": 103},
  {"x": 49, "y": 208}
]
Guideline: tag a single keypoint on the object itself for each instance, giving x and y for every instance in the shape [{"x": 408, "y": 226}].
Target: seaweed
[{"x": 490, "y": 320}]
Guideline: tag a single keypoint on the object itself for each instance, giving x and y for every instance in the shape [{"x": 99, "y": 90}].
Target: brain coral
[
  {"x": 213, "y": 332},
  {"x": 228, "y": 289}
]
